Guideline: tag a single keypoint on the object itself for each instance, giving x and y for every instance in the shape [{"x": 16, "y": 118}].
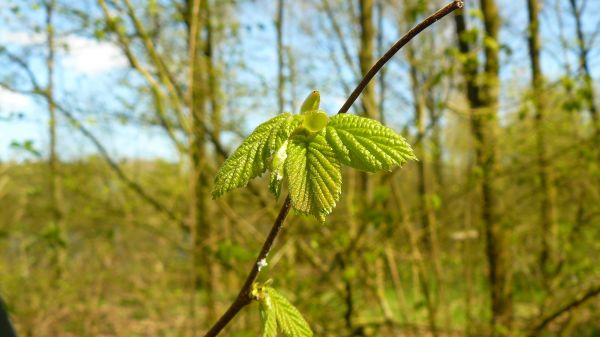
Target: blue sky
[{"x": 88, "y": 70}]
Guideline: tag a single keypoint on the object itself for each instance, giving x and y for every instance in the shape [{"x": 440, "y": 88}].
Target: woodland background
[{"x": 116, "y": 114}]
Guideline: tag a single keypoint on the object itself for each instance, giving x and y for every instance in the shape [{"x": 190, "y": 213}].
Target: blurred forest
[{"x": 116, "y": 114}]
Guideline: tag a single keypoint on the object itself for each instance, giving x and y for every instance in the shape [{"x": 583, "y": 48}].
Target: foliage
[{"x": 309, "y": 149}]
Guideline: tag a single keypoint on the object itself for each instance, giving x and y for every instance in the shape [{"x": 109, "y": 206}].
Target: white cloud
[
  {"x": 22, "y": 39},
  {"x": 91, "y": 57},
  {"x": 13, "y": 102},
  {"x": 82, "y": 55}
]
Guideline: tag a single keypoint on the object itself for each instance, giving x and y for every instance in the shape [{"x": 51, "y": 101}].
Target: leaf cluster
[{"x": 309, "y": 150}]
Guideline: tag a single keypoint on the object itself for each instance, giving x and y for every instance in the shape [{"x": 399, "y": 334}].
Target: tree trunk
[
  {"x": 548, "y": 192},
  {"x": 199, "y": 224},
  {"x": 54, "y": 179},
  {"x": 365, "y": 56},
  {"x": 483, "y": 101},
  {"x": 280, "y": 61},
  {"x": 381, "y": 51},
  {"x": 429, "y": 239},
  {"x": 584, "y": 67},
  {"x": 214, "y": 89}
]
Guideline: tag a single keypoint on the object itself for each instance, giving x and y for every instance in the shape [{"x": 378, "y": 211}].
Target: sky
[{"x": 87, "y": 70}]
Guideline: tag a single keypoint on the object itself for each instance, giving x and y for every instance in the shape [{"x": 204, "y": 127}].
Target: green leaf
[
  {"x": 289, "y": 319},
  {"x": 311, "y": 102},
  {"x": 251, "y": 157},
  {"x": 366, "y": 144},
  {"x": 267, "y": 314},
  {"x": 314, "y": 175}
]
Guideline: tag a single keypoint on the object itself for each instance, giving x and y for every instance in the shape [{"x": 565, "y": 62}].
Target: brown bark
[
  {"x": 483, "y": 101},
  {"x": 547, "y": 188}
]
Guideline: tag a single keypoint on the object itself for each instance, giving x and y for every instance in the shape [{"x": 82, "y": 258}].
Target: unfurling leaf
[
  {"x": 311, "y": 102},
  {"x": 251, "y": 157},
  {"x": 366, "y": 144},
  {"x": 314, "y": 175}
]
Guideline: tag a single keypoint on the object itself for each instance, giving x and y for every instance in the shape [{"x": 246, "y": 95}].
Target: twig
[
  {"x": 243, "y": 298},
  {"x": 579, "y": 300},
  {"x": 449, "y": 8}
]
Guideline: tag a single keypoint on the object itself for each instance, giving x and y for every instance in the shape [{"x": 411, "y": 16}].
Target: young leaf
[
  {"x": 366, "y": 144},
  {"x": 250, "y": 158},
  {"x": 311, "y": 102},
  {"x": 289, "y": 319},
  {"x": 314, "y": 175},
  {"x": 267, "y": 315}
]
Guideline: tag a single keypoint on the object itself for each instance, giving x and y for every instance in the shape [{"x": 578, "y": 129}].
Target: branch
[
  {"x": 579, "y": 300},
  {"x": 243, "y": 298},
  {"x": 449, "y": 8}
]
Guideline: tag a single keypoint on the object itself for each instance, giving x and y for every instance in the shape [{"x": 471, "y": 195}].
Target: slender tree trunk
[
  {"x": 485, "y": 128},
  {"x": 419, "y": 270},
  {"x": 436, "y": 143},
  {"x": 427, "y": 218},
  {"x": 55, "y": 184},
  {"x": 483, "y": 100},
  {"x": 392, "y": 264},
  {"x": 214, "y": 89},
  {"x": 467, "y": 261},
  {"x": 199, "y": 224},
  {"x": 214, "y": 100},
  {"x": 584, "y": 67},
  {"x": 380, "y": 51},
  {"x": 365, "y": 56},
  {"x": 548, "y": 192},
  {"x": 280, "y": 60}
]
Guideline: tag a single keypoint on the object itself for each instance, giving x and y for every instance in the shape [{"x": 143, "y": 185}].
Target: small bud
[{"x": 315, "y": 121}]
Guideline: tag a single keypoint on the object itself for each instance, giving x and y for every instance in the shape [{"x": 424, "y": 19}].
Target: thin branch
[
  {"x": 579, "y": 300},
  {"x": 243, "y": 298}
]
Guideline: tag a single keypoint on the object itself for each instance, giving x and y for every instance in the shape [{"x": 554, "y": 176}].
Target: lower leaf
[{"x": 314, "y": 174}]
